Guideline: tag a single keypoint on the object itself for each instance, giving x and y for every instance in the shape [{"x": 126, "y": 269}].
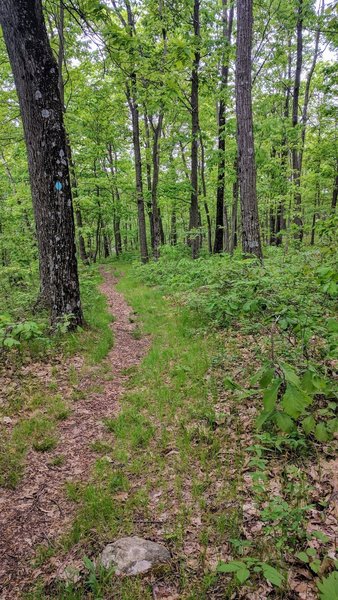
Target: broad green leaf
[
  {"x": 315, "y": 565},
  {"x": 295, "y": 401},
  {"x": 321, "y": 433},
  {"x": 230, "y": 567},
  {"x": 263, "y": 417},
  {"x": 309, "y": 424},
  {"x": 302, "y": 556},
  {"x": 242, "y": 574},
  {"x": 290, "y": 374},
  {"x": 266, "y": 377},
  {"x": 270, "y": 395},
  {"x": 307, "y": 383},
  {"x": 284, "y": 422},
  {"x": 271, "y": 574}
]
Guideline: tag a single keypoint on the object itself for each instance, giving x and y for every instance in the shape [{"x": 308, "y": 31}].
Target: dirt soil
[{"x": 38, "y": 510}]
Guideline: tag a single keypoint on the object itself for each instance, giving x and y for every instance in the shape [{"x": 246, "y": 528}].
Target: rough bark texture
[
  {"x": 221, "y": 211},
  {"x": 194, "y": 215},
  {"x": 36, "y": 78},
  {"x": 157, "y": 130},
  {"x": 251, "y": 242}
]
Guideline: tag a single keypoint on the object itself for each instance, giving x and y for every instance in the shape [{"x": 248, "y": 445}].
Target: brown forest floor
[{"x": 38, "y": 509}]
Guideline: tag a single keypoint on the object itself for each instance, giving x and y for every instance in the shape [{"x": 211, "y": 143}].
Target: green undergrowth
[
  {"x": 24, "y": 328},
  {"x": 31, "y": 408},
  {"x": 186, "y": 461}
]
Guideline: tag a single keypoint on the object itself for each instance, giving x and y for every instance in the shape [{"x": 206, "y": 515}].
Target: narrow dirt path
[{"x": 37, "y": 510}]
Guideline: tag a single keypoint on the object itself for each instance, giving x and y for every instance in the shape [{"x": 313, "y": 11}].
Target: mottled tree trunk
[
  {"x": 251, "y": 242},
  {"x": 36, "y": 78}
]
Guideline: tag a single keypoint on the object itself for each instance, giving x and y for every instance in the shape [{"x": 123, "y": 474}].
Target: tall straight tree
[
  {"x": 194, "y": 220},
  {"x": 36, "y": 78},
  {"x": 251, "y": 242},
  {"x": 131, "y": 92},
  {"x": 221, "y": 212}
]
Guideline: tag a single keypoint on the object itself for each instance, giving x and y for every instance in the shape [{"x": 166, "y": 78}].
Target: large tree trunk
[
  {"x": 251, "y": 242},
  {"x": 36, "y": 78},
  {"x": 194, "y": 214},
  {"x": 221, "y": 210}
]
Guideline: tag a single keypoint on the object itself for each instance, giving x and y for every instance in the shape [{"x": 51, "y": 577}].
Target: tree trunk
[
  {"x": 335, "y": 191},
  {"x": 157, "y": 131},
  {"x": 204, "y": 190},
  {"x": 36, "y": 78},
  {"x": 251, "y": 242},
  {"x": 194, "y": 216},
  {"x": 148, "y": 172},
  {"x": 235, "y": 191},
  {"x": 73, "y": 180},
  {"x": 131, "y": 92},
  {"x": 221, "y": 210},
  {"x": 296, "y": 165}
]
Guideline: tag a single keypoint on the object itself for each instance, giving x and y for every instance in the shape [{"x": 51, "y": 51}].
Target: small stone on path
[{"x": 133, "y": 555}]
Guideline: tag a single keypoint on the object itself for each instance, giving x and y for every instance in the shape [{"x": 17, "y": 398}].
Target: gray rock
[{"x": 133, "y": 555}]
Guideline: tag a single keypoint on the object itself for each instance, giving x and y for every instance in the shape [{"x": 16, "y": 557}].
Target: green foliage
[
  {"x": 299, "y": 395},
  {"x": 247, "y": 567},
  {"x": 328, "y": 587}
]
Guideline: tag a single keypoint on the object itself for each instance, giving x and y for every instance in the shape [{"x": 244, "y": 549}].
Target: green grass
[
  {"x": 164, "y": 438},
  {"x": 173, "y": 461},
  {"x": 37, "y": 406}
]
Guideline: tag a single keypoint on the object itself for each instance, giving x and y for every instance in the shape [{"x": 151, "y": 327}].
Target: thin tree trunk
[
  {"x": 36, "y": 79},
  {"x": 73, "y": 180},
  {"x": 296, "y": 165},
  {"x": 149, "y": 185},
  {"x": 204, "y": 190},
  {"x": 194, "y": 215},
  {"x": 131, "y": 92},
  {"x": 221, "y": 210},
  {"x": 234, "y": 212},
  {"x": 335, "y": 191},
  {"x": 251, "y": 242}
]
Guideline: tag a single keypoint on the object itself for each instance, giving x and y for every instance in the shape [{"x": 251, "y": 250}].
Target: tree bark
[
  {"x": 36, "y": 78},
  {"x": 234, "y": 212},
  {"x": 296, "y": 166},
  {"x": 194, "y": 215},
  {"x": 221, "y": 210},
  {"x": 73, "y": 180},
  {"x": 131, "y": 92},
  {"x": 251, "y": 242}
]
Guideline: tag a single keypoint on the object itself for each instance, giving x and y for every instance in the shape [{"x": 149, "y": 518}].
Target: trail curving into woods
[{"x": 37, "y": 511}]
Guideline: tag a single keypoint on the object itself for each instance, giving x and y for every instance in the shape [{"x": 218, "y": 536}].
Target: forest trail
[{"x": 38, "y": 510}]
